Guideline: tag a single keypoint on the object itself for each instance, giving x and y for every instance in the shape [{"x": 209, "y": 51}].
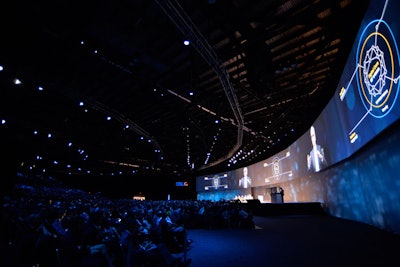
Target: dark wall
[
  {"x": 8, "y": 164},
  {"x": 152, "y": 186}
]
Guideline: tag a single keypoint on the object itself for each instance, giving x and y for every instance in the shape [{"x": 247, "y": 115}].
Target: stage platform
[{"x": 289, "y": 208}]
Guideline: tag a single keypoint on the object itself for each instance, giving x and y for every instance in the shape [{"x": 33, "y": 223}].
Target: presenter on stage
[
  {"x": 245, "y": 181},
  {"x": 216, "y": 182},
  {"x": 316, "y": 158}
]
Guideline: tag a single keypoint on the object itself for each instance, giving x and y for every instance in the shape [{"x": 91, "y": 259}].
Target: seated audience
[{"x": 45, "y": 224}]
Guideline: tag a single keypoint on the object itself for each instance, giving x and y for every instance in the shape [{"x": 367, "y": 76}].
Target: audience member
[{"x": 48, "y": 225}]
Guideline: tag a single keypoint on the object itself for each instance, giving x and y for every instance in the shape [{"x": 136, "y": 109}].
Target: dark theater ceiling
[{"x": 253, "y": 79}]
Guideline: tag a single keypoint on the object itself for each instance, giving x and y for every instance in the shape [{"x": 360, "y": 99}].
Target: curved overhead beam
[{"x": 186, "y": 26}]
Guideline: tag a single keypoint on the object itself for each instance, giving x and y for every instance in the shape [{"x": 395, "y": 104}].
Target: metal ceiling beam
[{"x": 186, "y": 26}]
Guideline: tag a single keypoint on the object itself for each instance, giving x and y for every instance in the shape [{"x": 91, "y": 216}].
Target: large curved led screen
[{"x": 366, "y": 102}]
